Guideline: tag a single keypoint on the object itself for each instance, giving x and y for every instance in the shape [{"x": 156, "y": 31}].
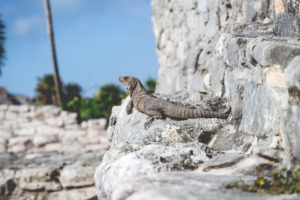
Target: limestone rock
[
  {"x": 76, "y": 175},
  {"x": 262, "y": 109}
]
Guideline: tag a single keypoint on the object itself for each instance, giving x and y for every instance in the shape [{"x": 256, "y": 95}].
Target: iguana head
[
  {"x": 128, "y": 81},
  {"x": 131, "y": 83}
]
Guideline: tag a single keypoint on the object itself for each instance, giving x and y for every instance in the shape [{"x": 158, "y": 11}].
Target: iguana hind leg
[{"x": 152, "y": 115}]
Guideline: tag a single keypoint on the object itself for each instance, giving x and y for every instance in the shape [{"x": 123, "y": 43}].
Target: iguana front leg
[
  {"x": 152, "y": 115},
  {"x": 129, "y": 107}
]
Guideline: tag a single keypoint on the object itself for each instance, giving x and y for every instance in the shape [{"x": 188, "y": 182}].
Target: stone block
[
  {"x": 35, "y": 179},
  {"x": 47, "y": 130},
  {"x": 262, "y": 109},
  {"x": 217, "y": 72},
  {"x": 276, "y": 52},
  {"x": 96, "y": 124},
  {"x": 57, "y": 122},
  {"x": 53, "y": 147},
  {"x": 25, "y": 132},
  {"x": 76, "y": 176},
  {"x": 88, "y": 193},
  {"x": 292, "y": 74},
  {"x": 235, "y": 50},
  {"x": 70, "y": 136},
  {"x": 286, "y": 24},
  {"x": 41, "y": 140},
  {"x": 3, "y": 144},
  {"x": 290, "y": 130},
  {"x": 274, "y": 77}
]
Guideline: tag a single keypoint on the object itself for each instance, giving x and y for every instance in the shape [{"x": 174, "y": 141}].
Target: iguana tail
[{"x": 182, "y": 112}]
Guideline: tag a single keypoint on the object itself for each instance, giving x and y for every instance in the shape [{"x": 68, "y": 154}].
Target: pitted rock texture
[
  {"x": 49, "y": 175},
  {"x": 245, "y": 53},
  {"x": 46, "y": 154},
  {"x": 47, "y": 128},
  {"x": 201, "y": 147},
  {"x": 190, "y": 37}
]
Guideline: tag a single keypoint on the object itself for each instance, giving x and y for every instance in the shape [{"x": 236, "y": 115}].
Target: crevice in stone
[
  {"x": 79, "y": 187},
  {"x": 294, "y": 96},
  {"x": 196, "y": 66},
  {"x": 268, "y": 158}
]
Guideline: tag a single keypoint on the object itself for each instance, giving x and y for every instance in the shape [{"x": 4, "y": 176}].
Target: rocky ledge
[
  {"x": 185, "y": 159},
  {"x": 46, "y": 154},
  {"x": 49, "y": 175}
]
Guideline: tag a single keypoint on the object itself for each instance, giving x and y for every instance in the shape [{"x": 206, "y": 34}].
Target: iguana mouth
[{"x": 122, "y": 79}]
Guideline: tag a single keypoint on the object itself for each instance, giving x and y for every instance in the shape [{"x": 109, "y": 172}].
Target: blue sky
[{"x": 96, "y": 41}]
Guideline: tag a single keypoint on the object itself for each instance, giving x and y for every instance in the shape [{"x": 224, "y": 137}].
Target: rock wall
[
  {"x": 191, "y": 40},
  {"x": 243, "y": 52},
  {"x": 46, "y": 154},
  {"x": 47, "y": 128}
]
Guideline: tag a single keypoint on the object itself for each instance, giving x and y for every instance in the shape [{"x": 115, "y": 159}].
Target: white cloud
[{"x": 23, "y": 25}]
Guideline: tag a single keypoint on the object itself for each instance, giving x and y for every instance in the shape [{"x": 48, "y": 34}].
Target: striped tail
[
  {"x": 181, "y": 112},
  {"x": 197, "y": 113}
]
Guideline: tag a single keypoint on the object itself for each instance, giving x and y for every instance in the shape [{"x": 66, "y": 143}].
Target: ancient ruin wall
[{"x": 245, "y": 51}]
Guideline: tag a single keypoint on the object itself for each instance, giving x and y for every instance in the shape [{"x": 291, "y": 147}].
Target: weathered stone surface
[
  {"x": 231, "y": 49},
  {"x": 268, "y": 53},
  {"x": 63, "y": 175},
  {"x": 262, "y": 108},
  {"x": 50, "y": 155},
  {"x": 29, "y": 128},
  {"x": 290, "y": 130},
  {"x": 185, "y": 185},
  {"x": 76, "y": 175},
  {"x": 292, "y": 77},
  {"x": 80, "y": 194},
  {"x": 6, "y": 182}
]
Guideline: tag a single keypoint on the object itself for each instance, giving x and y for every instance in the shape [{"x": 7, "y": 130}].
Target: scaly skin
[{"x": 157, "y": 108}]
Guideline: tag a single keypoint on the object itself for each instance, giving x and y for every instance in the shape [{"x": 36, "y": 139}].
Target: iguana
[{"x": 157, "y": 108}]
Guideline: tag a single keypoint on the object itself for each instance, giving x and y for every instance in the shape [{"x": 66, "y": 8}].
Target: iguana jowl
[{"x": 157, "y": 108}]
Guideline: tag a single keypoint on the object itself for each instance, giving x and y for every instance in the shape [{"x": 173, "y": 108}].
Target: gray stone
[
  {"x": 268, "y": 52},
  {"x": 262, "y": 108},
  {"x": 35, "y": 179},
  {"x": 76, "y": 175},
  {"x": 292, "y": 74},
  {"x": 88, "y": 193},
  {"x": 287, "y": 25},
  {"x": 217, "y": 77},
  {"x": 41, "y": 140},
  {"x": 183, "y": 185},
  {"x": 235, "y": 82},
  {"x": 18, "y": 144},
  {"x": 3, "y": 144},
  {"x": 222, "y": 161},
  {"x": 291, "y": 133}
]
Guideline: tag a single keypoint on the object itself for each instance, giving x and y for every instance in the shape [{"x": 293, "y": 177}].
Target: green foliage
[
  {"x": 108, "y": 96},
  {"x": 2, "y": 38},
  {"x": 72, "y": 98},
  {"x": 150, "y": 85},
  {"x": 71, "y": 90},
  {"x": 46, "y": 90},
  {"x": 89, "y": 109},
  {"x": 282, "y": 182},
  {"x": 101, "y": 104}
]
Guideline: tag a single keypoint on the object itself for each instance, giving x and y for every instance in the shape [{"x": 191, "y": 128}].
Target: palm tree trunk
[{"x": 57, "y": 80}]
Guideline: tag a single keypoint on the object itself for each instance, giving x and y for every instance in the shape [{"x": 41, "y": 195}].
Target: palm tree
[
  {"x": 1, "y": 42},
  {"x": 57, "y": 80}
]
